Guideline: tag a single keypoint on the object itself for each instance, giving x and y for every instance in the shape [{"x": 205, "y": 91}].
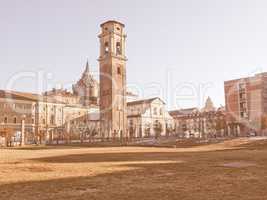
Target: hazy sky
[{"x": 180, "y": 50}]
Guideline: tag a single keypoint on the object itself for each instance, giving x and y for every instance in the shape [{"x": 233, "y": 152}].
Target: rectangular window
[
  {"x": 52, "y": 120},
  {"x": 242, "y": 96},
  {"x": 160, "y": 111},
  {"x": 243, "y": 105},
  {"x": 243, "y": 114},
  {"x": 106, "y": 48},
  {"x": 118, "y": 48},
  {"x": 242, "y": 86},
  {"x": 155, "y": 111}
]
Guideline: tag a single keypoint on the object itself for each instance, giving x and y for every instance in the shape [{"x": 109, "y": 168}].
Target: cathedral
[
  {"x": 87, "y": 88},
  {"x": 91, "y": 110}
]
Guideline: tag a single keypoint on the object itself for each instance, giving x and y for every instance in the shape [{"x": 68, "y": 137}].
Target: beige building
[
  {"x": 39, "y": 113},
  {"x": 46, "y": 116},
  {"x": 149, "y": 118},
  {"x": 146, "y": 118},
  {"x": 207, "y": 122}
]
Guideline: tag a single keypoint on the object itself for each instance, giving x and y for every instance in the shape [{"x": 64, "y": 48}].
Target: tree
[
  {"x": 7, "y": 133},
  {"x": 157, "y": 129},
  {"x": 264, "y": 122},
  {"x": 147, "y": 130}
]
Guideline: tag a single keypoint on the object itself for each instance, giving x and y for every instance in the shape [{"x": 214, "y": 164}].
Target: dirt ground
[{"x": 231, "y": 170}]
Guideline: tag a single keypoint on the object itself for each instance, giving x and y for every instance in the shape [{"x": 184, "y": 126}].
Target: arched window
[
  {"x": 119, "y": 70},
  {"x": 118, "y": 48},
  {"x": 106, "y": 47},
  {"x": 5, "y": 120},
  {"x": 15, "y": 120}
]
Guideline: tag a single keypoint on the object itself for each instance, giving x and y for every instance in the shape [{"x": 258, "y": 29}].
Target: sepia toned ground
[{"x": 231, "y": 170}]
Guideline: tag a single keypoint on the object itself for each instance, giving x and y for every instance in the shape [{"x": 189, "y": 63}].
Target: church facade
[{"x": 149, "y": 118}]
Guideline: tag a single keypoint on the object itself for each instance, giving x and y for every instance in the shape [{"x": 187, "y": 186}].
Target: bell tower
[{"x": 112, "y": 61}]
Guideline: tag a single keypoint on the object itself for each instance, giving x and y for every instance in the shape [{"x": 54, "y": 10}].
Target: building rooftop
[
  {"x": 112, "y": 21},
  {"x": 58, "y": 92},
  {"x": 143, "y": 101},
  {"x": 27, "y": 96},
  {"x": 185, "y": 111},
  {"x": 255, "y": 77}
]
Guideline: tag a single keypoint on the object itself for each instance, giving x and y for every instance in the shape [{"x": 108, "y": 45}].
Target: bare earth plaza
[
  {"x": 229, "y": 171},
  {"x": 97, "y": 139}
]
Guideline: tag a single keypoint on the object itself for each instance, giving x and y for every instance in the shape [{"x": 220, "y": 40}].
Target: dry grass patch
[{"x": 196, "y": 173}]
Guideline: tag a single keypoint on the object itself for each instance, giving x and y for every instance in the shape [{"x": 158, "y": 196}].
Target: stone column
[
  {"x": 68, "y": 133},
  {"x": 46, "y": 135},
  {"x": 22, "y": 142},
  {"x": 204, "y": 127},
  {"x": 6, "y": 137},
  {"x": 228, "y": 130},
  {"x": 142, "y": 130},
  {"x": 238, "y": 130},
  {"x": 51, "y": 136},
  {"x": 222, "y": 132}
]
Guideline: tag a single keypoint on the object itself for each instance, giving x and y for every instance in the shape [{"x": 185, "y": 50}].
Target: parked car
[{"x": 252, "y": 134}]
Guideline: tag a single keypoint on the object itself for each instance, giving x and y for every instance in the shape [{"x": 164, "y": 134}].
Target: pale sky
[{"x": 180, "y": 50}]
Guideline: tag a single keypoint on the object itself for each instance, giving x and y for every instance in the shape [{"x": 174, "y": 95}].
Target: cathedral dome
[
  {"x": 87, "y": 87},
  {"x": 209, "y": 106}
]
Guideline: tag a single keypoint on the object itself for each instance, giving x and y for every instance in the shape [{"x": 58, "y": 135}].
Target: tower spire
[{"x": 87, "y": 67}]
